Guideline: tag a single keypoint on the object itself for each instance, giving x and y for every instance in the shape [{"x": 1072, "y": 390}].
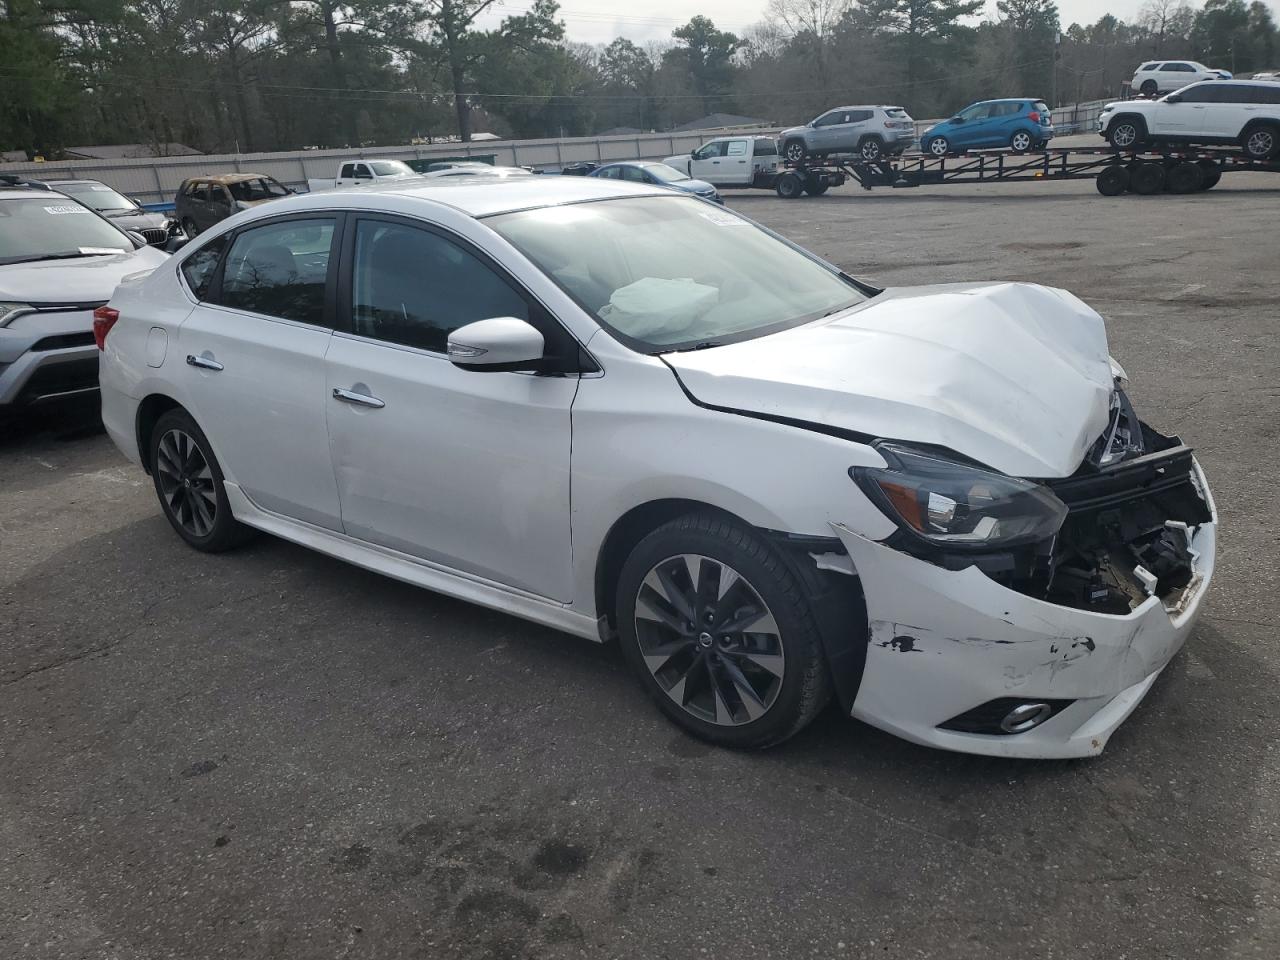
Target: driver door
[
  {"x": 706, "y": 161},
  {"x": 464, "y": 469}
]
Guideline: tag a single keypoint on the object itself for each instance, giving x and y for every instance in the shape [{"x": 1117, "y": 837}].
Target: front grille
[
  {"x": 155, "y": 236},
  {"x": 64, "y": 340},
  {"x": 55, "y": 379}
]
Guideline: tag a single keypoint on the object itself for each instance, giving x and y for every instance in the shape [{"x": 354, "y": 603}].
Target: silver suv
[
  {"x": 869, "y": 132},
  {"x": 59, "y": 261}
]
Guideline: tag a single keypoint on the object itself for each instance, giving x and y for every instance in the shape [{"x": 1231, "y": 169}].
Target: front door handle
[
  {"x": 363, "y": 399},
  {"x": 204, "y": 363}
]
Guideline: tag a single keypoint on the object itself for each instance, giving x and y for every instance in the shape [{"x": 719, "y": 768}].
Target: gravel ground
[{"x": 271, "y": 754}]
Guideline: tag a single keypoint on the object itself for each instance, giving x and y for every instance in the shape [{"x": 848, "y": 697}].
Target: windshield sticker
[
  {"x": 94, "y": 251},
  {"x": 66, "y": 208},
  {"x": 720, "y": 218}
]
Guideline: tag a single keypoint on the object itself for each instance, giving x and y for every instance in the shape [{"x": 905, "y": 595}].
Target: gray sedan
[{"x": 658, "y": 174}]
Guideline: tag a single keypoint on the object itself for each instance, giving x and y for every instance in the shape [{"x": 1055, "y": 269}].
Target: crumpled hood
[
  {"x": 1015, "y": 376},
  {"x": 138, "y": 220},
  {"x": 82, "y": 280}
]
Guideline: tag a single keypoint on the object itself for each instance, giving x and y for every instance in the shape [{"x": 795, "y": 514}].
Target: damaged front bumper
[{"x": 948, "y": 647}]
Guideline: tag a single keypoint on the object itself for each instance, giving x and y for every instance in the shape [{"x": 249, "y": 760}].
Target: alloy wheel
[
  {"x": 795, "y": 152},
  {"x": 870, "y": 150},
  {"x": 1260, "y": 143},
  {"x": 709, "y": 640},
  {"x": 1021, "y": 141},
  {"x": 186, "y": 482},
  {"x": 939, "y": 147},
  {"x": 1124, "y": 135}
]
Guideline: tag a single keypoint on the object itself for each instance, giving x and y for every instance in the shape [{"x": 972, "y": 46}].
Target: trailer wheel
[
  {"x": 815, "y": 186},
  {"x": 1212, "y": 173},
  {"x": 790, "y": 186},
  {"x": 1113, "y": 181},
  {"x": 1147, "y": 178},
  {"x": 1184, "y": 177}
]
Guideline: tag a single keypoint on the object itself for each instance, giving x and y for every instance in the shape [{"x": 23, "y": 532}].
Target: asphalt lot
[{"x": 271, "y": 754}]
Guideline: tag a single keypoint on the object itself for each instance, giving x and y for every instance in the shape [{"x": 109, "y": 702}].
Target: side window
[
  {"x": 348, "y": 171},
  {"x": 199, "y": 267},
  {"x": 1200, "y": 94},
  {"x": 414, "y": 287},
  {"x": 1179, "y": 68},
  {"x": 978, "y": 111},
  {"x": 1267, "y": 94},
  {"x": 362, "y": 172},
  {"x": 766, "y": 148},
  {"x": 1146, "y": 67},
  {"x": 634, "y": 174},
  {"x": 710, "y": 151},
  {"x": 280, "y": 270},
  {"x": 219, "y": 195},
  {"x": 858, "y": 116},
  {"x": 827, "y": 119},
  {"x": 737, "y": 148}
]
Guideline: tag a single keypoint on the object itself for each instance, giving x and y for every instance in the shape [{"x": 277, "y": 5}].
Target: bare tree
[{"x": 1165, "y": 18}]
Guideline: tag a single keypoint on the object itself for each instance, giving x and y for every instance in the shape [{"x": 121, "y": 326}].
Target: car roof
[
  {"x": 228, "y": 177},
  {"x": 29, "y": 193},
  {"x": 475, "y": 196},
  {"x": 74, "y": 180}
]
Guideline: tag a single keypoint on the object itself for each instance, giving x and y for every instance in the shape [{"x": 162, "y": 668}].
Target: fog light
[{"x": 1025, "y": 716}]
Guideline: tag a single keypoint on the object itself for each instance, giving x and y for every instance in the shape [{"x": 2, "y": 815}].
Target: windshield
[
  {"x": 262, "y": 188},
  {"x": 667, "y": 273},
  {"x": 97, "y": 195},
  {"x": 664, "y": 174},
  {"x": 40, "y": 229},
  {"x": 390, "y": 168}
]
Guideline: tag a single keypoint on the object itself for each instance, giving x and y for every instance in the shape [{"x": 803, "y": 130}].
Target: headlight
[
  {"x": 957, "y": 506},
  {"x": 10, "y": 310}
]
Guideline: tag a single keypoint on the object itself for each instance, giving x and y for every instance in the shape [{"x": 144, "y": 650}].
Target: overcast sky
[{"x": 599, "y": 21}]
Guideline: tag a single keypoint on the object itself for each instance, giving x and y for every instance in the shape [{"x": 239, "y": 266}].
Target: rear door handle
[
  {"x": 205, "y": 363},
  {"x": 363, "y": 399}
]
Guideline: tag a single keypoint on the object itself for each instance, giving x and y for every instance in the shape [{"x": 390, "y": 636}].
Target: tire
[
  {"x": 1261, "y": 142},
  {"x": 1113, "y": 181},
  {"x": 1148, "y": 87},
  {"x": 794, "y": 151},
  {"x": 189, "y": 484},
  {"x": 742, "y": 688},
  {"x": 790, "y": 185},
  {"x": 870, "y": 149},
  {"x": 1147, "y": 178},
  {"x": 1021, "y": 141},
  {"x": 938, "y": 147},
  {"x": 1184, "y": 177},
  {"x": 815, "y": 186},
  {"x": 1212, "y": 173},
  {"x": 189, "y": 228},
  {"x": 1126, "y": 133}
]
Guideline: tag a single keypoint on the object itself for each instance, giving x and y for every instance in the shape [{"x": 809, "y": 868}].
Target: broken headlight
[{"x": 958, "y": 506}]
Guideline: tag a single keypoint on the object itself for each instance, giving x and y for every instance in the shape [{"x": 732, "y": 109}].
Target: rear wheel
[
  {"x": 1113, "y": 181},
  {"x": 1147, "y": 178},
  {"x": 795, "y": 151},
  {"x": 720, "y": 633},
  {"x": 1261, "y": 142},
  {"x": 1148, "y": 87},
  {"x": 1021, "y": 141},
  {"x": 871, "y": 149},
  {"x": 790, "y": 185},
  {"x": 189, "y": 483},
  {"x": 1126, "y": 133},
  {"x": 1184, "y": 177}
]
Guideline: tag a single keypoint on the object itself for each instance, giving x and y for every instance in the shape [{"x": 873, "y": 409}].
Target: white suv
[
  {"x": 1216, "y": 112},
  {"x": 1161, "y": 76}
]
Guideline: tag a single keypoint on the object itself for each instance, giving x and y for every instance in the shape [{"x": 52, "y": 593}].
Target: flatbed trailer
[{"x": 1145, "y": 171}]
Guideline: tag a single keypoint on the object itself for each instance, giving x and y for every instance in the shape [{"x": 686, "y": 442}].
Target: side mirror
[
  {"x": 139, "y": 241},
  {"x": 1173, "y": 98},
  {"x": 957, "y": 119},
  {"x": 497, "y": 344},
  {"x": 176, "y": 243}
]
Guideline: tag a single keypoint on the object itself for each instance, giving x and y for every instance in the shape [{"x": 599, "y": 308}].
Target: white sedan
[{"x": 624, "y": 413}]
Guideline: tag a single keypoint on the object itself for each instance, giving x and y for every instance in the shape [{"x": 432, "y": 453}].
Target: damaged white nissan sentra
[{"x": 623, "y": 412}]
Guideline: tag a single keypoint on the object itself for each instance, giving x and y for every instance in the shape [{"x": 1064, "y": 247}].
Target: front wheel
[
  {"x": 939, "y": 146},
  {"x": 1261, "y": 142},
  {"x": 1125, "y": 134},
  {"x": 720, "y": 633},
  {"x": 795, "y": 151},
  {"x": 189, "y": 483}
]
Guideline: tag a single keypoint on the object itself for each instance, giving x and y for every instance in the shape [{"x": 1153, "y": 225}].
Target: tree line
[{"x": 253, "y": 75}]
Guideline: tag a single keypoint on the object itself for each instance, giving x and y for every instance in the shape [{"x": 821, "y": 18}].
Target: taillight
[
  {"x": 1034, "y": 116},
  {"x": 104, "y": 318}
]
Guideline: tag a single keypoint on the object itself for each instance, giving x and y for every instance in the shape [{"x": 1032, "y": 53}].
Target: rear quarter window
[
  {"x": 198, "y": 268},
  {"x": 895, "y": 113},
  {"x": 765, "y": 148}
]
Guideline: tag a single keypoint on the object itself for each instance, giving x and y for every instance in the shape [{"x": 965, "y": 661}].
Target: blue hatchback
[{"x": 1020, "y": 125}]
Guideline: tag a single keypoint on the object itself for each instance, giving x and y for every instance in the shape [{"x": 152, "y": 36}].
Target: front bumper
[
  {"x": 47, "y": 356},
  {"x": 944, "y": 642}
]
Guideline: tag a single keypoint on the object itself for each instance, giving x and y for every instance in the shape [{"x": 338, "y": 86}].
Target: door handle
[
  {"x": 363, "y": 399},
  {"x": 205, "y": 363}
]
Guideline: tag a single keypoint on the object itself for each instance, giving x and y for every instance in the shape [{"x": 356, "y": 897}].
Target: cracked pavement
[{"x": 271, "y": 754}]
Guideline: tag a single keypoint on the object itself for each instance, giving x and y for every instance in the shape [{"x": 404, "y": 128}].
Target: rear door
[
  {"x": 465, "y": 469},
  {"x": 1175, "y": 75},
  {"x": 736, "y": 165},
  {"x": 254, "y": 377}
]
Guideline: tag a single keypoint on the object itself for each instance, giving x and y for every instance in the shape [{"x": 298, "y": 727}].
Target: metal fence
[{"x": 156, "y": 180}]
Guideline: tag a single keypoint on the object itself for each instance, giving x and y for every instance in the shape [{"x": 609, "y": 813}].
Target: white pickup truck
[
  {"x": 362, "y": 173},
  {"x": 741, "y": 161}
]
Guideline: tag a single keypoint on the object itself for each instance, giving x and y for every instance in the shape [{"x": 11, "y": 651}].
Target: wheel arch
[
  {"x": 1136, "y": 117},
  {"x": 835, "y": 597},
  {"x": 150, "y": 410}
]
